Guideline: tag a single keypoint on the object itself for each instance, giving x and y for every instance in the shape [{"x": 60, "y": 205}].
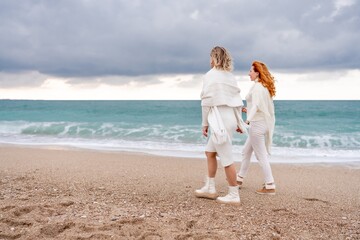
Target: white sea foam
[
  {"x": 176, "y": 140},
  {"x": 316, "y": 131},
  {"x": 279, "y": 154}
]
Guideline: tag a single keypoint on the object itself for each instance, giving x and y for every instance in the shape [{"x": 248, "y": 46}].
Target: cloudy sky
[{"x": 158, "y": 49}]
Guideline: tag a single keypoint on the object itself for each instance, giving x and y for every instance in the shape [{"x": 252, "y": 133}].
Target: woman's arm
[
  {"x": 255, "y": 101},
  {"x": 238, "y": 114},
  {"x": 205, "y": 123},
  {"x": 251, "y": 113},
  {"x": 205, "y": 114}
]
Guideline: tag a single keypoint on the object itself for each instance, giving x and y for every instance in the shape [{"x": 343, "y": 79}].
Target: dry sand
[{"x": 73, "y": 194}]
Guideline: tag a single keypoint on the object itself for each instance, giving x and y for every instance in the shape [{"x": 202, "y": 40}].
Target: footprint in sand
[
  {"x": 95, "y": 236},
  {"x": 9, "y": 236},
  {"x": 285, "y": 211},
  {"x": 197, "y": 237},
  {"x": 7, "y": 208},
  {"x": 16, "y": 223},
  {"x": 316, "y": 200},
  {"x": 150, "y": 236},
  {"x": 23, "y": 210},
  {"x": 52, "y": 230}
]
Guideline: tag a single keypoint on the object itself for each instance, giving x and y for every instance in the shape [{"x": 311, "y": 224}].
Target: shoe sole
[
  {"x": 231, "y": 203},
  {"x": 212, "y": 196}
]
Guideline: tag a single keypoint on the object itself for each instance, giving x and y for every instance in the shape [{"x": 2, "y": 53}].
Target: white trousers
[{"x": 256, "y": 143}]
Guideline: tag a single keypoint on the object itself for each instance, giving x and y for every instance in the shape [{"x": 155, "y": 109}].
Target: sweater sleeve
[
  {"x": 239, "y": 111},
  {"x": 251, "y": 113},
  {"x": 255, "y": 101},
  {"x": 205, "y": 114}
]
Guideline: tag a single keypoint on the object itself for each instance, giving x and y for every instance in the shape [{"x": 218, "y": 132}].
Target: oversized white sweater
[
  {"x": 219, "y": 89},
  {"x": 260, "y": 107}
]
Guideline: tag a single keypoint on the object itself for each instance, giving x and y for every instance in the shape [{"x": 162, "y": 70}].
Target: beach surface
[{"x": 82, "y": 194}]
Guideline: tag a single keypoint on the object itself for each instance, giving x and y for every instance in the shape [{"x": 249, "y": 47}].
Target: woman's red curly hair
[{"x": 265, "y": 77}]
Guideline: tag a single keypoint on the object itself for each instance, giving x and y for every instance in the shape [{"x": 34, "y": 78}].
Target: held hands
[
  {"x": 244, "y": 110},
  {"x": 205, "y": 130}
]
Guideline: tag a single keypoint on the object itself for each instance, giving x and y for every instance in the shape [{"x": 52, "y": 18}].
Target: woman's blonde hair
[
  {"x": 265, "y": 77},
  {"x": 221, "y": 59}
]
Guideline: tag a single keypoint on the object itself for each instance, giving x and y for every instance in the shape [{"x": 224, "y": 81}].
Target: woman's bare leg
[
  {"x": 212, "y": 164},
  {"x": 230, "y": 172}
]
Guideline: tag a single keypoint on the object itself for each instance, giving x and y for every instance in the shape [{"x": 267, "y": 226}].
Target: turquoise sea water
[{"x": 306, "y": 131}]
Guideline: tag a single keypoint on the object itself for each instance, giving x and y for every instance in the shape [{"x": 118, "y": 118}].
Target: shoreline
[
  {"x": 67, "y": 194},
  {"x": 165, "y": 153}
]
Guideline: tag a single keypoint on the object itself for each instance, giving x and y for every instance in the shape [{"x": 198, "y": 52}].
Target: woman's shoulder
[
  {"x": 216, "y": 73},
  {"x": 208, "y": 75},
  {"x": 212, "y": 71},
  {"x": 258, "y": 85},
  {"x": 259, "y": 88}
]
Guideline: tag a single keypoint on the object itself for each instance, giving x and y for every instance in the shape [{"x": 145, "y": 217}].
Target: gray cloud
[
  {"x": 88, "y": 38},
  {"x": 195, "y": 81},
  {"x": 115, "y": 80},
  {"x": 23, "y": 79}
]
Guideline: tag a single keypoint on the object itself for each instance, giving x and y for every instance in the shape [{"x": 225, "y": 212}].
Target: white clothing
[
  {"x": 220, "y": 89},
  {"x": 224, "y": 151},
  {"x": 218, "y": 131},
  {"x": 260, "y": 107},
  {"x": 256, "y": 143}
]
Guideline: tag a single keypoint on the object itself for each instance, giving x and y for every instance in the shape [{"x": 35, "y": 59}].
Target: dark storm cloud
[{"x": 117, "y": 37}]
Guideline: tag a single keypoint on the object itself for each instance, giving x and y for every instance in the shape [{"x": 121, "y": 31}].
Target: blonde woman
[
  {"x": 221, "y": 106},
  {"x": 261, "y": 118}
]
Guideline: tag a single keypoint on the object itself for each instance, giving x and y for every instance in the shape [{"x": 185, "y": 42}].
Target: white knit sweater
[
  {"x": 219, "y": 89},
  {"x": 260, "y": 106}
]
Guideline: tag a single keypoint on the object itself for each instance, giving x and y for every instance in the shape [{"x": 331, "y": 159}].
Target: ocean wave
[
  {"x": 279, "y": 154},
  {"x": 333, "y": 141},
  {"x": 95, "y": 130},
  {"x": 181, "y": 134}
]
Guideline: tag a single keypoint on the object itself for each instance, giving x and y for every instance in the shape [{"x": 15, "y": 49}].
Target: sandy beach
[{"x": 80, "y": 194}]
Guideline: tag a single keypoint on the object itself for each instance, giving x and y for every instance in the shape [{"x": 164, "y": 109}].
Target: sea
[{"x": 305, "y": 132}]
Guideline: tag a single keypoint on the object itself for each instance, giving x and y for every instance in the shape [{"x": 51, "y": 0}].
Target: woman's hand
[
  {"x": 239, "y": 130},
  {"x": 244, "y": 110},
  {"x": 205, "y": 130}
]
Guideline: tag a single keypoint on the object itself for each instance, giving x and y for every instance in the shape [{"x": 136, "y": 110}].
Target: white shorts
[{"x": 224, "y": 151}]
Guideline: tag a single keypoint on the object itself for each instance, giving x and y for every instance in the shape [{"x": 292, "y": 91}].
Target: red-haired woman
[{"x": 261, "y": 118}]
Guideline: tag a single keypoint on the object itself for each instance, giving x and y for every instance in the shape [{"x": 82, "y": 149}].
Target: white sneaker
[
  {"x": 207, "y": 191},
  {"x": 232, "y": 197}
]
